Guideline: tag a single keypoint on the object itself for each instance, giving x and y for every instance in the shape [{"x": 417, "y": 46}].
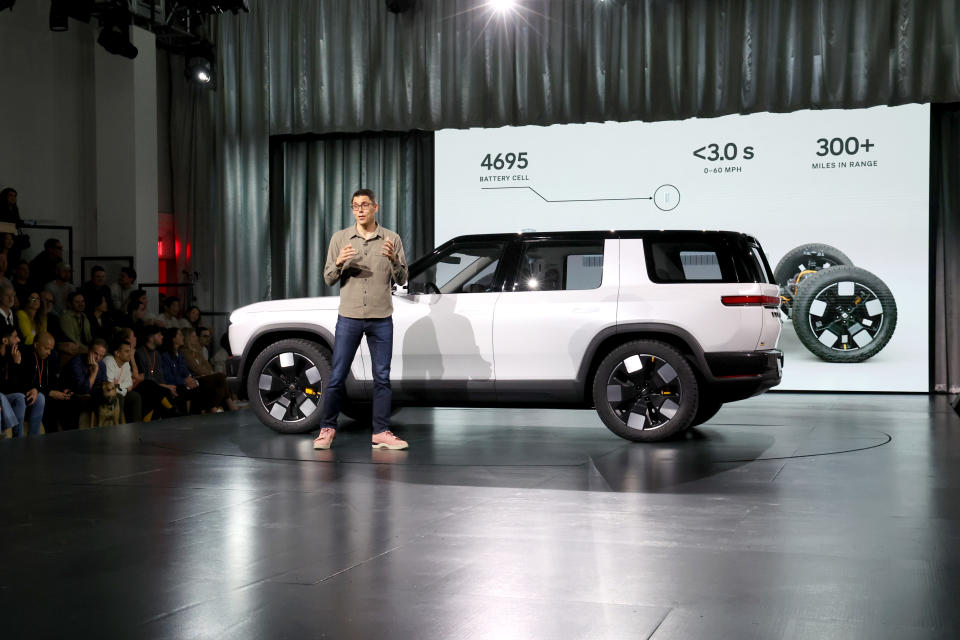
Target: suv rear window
[{"x": 704, "y": 259}]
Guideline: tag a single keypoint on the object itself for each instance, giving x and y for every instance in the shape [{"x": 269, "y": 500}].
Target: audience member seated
[
  {"x": 53, "y": 320},
  {"x": 121, "y": 289},
  {"x": 31, "y": 320},
  {"x": 9, "y": 212},
  {"x": 21, "y": 283},
  {"x": 13, "y": 382},
  {"x": 101, "y": 321},
  {"x": 126, "y": 334},
  {"x": 8, "y": 299},
  {"x": 95, "y": 287},
  {"x": 175, "y": 370},
  {"x": 60, "y": 287},
  {"x": 211, "y": 383},
  {"x": 41, "y": 370},
  {"x": 74, "y": 323},
  {"x": 149, "y": 362},
  {"x": 86, "y": 370},
  {"x": 170, "y": 314},
  {"x": 119, "y": 372},
  {"x": 4, "y": 280},
  {"x": 204, "y": 335},
  {"x": 43, "y": 268},
  {"x": 219, "y": 359},
  {"x": 192, "y": 317}
]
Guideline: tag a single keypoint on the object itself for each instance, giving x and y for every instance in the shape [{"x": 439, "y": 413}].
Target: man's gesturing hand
[
  {"x": 388, "y": 251},
  {"x": 345, "y": 254}
]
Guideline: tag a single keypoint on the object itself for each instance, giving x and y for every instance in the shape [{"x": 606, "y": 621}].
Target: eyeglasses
[{"x": 362, "y": 207}]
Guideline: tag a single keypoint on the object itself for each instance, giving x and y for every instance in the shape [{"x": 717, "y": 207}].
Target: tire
[
  {"x": 645, "y": 403},
  {"x": 708, "y": 407},
  {"x": 806, "y": 257},
  {"x": 844, "y": 314},
  {"x": 285, "y": 385}
]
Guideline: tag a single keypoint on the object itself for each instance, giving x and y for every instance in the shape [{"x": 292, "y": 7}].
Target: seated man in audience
[
  {"x": 149, "y": 363},
  {"x": 121, "y": 289},
  {"x": 8, "y": 300},
  {"x": 13, "y": 382},
  {"x": 87, "y": 370},
  {"x": 43, "y": 268},
  {"x": 205, "y": 336},
  {"x": 60, "y": 287},
  {"x": 75, "y": 324},
  {"x": 21, "y": 283},
  {"x": 41, "y": 371},
  {"x": 96, "y": 287},
  {"x": 132, "y": 404}
]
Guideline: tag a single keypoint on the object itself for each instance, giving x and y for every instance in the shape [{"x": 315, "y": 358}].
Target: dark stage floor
[{"x": 786, "y": 516}]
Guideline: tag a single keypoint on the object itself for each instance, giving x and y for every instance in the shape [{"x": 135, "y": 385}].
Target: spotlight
[
  {"x": 58, "y": 15},
  {"x": 502, "y": 6},
  {"x": 115, "y": 38},
  {"x": 399, "y": 6},
  {"x": 7, "y": 4},
  {"x": 200, "y": 67}
]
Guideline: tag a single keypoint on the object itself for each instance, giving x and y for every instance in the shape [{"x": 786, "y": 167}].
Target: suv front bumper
[{"x": 738, "y": 375}]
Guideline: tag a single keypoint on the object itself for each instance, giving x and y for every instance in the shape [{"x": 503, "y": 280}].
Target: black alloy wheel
[
  {"x": 799, "y": 262},
  {"x": 645, "y": 391},
  {"x": 845, "y": 314},
  {"x": 286, "y": 383}
]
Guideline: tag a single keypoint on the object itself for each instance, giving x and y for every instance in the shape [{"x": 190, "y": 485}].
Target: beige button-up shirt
[{"x": 365, "y": 278}]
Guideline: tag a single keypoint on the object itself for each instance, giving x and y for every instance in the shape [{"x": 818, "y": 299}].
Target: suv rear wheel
[
  {"x": 285, "y": 385},
  {"x": 645, "y": 391}
]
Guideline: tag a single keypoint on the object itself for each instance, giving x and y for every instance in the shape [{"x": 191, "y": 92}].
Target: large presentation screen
[{"x": 818, "y": 189}]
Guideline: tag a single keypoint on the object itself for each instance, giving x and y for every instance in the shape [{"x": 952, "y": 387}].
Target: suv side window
[
  {"x": 695, "y": 261},
  {"x": 466, "y": 268},
  {"x": 559, "y": 266}
]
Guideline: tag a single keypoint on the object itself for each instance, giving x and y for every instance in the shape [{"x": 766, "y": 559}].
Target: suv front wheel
[
  {"x": 286, "y": 383},
  {"x": 645, "y": 391}
]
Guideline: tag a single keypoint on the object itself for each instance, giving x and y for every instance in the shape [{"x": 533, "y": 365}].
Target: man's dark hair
[
  {"x": 96, "y": 268},
  {"x": 364, "y": 192},
  {"x": 72, "y": 295},
  {"x": 6, "y": 330},
  {"x": 149, "y": 330},
  {"x": 99, "y": 342},
  {"x": 169, "y": 300},
  {"x": 117, "y": 344},
  {"x": 50, "y": 243},
  {"x": 130, "y": 271}
]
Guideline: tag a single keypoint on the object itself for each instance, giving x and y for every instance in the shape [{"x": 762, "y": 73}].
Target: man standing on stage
[{"x": 364, "y": 258}]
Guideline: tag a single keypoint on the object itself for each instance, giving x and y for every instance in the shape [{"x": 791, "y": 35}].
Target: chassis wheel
[
  {"x": 645, "y": 391},
  {"x": 285, "y": 385},
  {"x": 844, "y": 314},
  {"x": 798, "y": 262}
]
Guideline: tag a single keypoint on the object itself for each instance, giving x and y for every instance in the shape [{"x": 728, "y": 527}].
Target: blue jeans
[
  {"x": 13, "y": 406},
  {"x": 346, "y": 341}
]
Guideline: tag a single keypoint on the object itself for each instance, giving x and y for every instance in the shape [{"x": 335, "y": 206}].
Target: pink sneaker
[
  {"x": 325, "y": 439},
  {"x": 386, "y": 440}
]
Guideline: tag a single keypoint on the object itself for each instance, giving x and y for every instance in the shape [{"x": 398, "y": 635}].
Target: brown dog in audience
[{"x": 106, "y": 410}]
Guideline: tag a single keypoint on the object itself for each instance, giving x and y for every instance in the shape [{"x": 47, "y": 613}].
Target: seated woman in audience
[
  {"x": 31, "y": 319},
  {"x": 101, "y": 322},
  {"x": 193, "y": 317},
  {"x": 175, "y": 370},
  {"x": 202, "y": 371}
]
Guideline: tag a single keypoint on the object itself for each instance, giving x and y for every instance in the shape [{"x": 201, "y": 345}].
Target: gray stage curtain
[
  {"x": 945, "y": 244},
  {"x": 311, "y": 66},
  {"x": 319, "y": 176}
]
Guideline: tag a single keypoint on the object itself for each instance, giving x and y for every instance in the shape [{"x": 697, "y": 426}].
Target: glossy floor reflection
[{"x": 786, "y": 516}]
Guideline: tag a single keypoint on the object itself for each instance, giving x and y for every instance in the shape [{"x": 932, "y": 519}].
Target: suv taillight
[{"x": 750, "y": 301}]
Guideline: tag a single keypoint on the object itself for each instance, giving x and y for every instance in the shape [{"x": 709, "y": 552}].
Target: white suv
[{"x": 656, "y": 329}]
